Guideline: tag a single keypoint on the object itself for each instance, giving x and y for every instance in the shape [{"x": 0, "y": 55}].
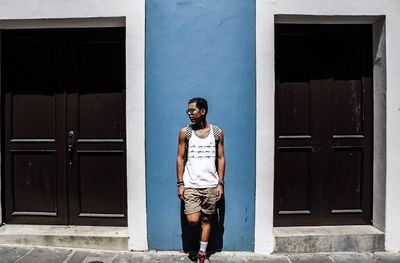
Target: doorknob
[{"x": 71, "y": 142}]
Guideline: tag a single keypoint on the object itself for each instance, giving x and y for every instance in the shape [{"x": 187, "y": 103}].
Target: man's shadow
[{"x": 191, "y": 234}]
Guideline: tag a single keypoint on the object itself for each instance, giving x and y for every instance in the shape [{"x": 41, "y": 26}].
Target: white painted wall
[
  {"x": 100, "y": 13},
  {"x": 265, "y": 79},
  {"x": 329, "y": 11},
  {"x": 393, "y": 129}
]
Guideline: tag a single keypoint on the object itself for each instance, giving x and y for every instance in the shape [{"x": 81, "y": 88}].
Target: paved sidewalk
[{"x": 24, "y": 254}]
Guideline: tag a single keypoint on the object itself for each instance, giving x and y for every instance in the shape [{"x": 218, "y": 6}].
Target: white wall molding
[
  {"x": 379, "y": 130},
  {"x": 88, "y": 22},
  {"x": 135, "y": 126},
  {"x": 265, "y": 102}
]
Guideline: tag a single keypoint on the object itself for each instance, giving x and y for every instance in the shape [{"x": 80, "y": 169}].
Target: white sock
[{"x": 203, "y": 246}]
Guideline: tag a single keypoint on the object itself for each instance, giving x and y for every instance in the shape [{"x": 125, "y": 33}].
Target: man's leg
[
  {"x": 205, "y": 227},
  {"x": 208, "y": 208},
  {"x": 204, "y": 236},
  {"x": 193, "y": 219}
]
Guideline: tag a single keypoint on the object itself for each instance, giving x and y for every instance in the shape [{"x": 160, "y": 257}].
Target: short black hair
[{"x": 200, "y": 103}]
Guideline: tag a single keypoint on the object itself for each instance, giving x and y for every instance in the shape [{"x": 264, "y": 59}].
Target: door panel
[
  {"x": 323, "y": 154},
  {"x": 107, "y": 197},
  {"x": 91, "y": 106},
  {"x": 33, "y": 116},
  {"x": 346, "y": 108},
  {"x": 96, "y": 107},
  {"x": 100, "y": 82},
  {"x": 347, "y": 179},
  {"x": 34, "y": 176},
  {"x": 294, "y": 108},
  {"x": 64, "y": 126},
  {"x": 297, "y": 195},
  {"x": 32, "y": 85}
]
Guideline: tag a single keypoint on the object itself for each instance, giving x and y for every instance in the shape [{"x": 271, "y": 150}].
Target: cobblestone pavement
[{"x": 24, "y": 254}]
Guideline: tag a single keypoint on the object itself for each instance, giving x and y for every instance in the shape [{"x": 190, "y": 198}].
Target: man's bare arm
[
  {"x": 220, "y": 165},
  {"x": 180, "y": 159}
]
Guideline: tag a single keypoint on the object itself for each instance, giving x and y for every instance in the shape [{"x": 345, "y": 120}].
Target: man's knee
[
  {"x": 193, "y": 219},
  {"x": 205, "y": 219}
]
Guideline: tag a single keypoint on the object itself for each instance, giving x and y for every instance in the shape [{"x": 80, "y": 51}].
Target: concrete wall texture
[{"x": 200, "y": 48}]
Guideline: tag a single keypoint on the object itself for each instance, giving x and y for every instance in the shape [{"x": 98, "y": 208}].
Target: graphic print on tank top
[{"x": 200, "y": 170}]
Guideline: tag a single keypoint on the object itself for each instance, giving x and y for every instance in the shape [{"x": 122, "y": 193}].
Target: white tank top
[{"x": 200, "y": 170}]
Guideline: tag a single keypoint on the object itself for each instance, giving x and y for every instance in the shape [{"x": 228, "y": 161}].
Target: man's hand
[
  {"x": 181, "y": 191},
  {"x": 220, "y": 191}
]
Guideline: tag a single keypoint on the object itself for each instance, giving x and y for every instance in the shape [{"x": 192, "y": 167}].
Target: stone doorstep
[
  {"x": 88, "y": 237},
  {"x": 287, "y": 239},
  {"x": 328, "y": 239}
]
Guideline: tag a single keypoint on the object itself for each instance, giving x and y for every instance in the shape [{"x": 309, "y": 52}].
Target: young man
[{"x": 200, "y": 168}]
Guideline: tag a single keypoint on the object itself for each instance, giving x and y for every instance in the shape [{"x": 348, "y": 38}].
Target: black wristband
[
  {"x": 180, "y": 182},
  {"x": 221, "y": 183}
]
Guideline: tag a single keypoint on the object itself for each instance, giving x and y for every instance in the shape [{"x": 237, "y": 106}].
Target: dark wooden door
[
  {"x": 96, "y": 126},
  {"x": 323, "y": 126},
  {"x": 33, "y": 128},
  {"x": 64, "y": 126}
]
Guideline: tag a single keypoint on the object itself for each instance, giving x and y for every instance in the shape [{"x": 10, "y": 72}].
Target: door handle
[{"x": 71, "y": 143}]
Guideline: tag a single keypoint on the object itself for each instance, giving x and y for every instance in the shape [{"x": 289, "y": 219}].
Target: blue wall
[{"x": 200, "y": 48}]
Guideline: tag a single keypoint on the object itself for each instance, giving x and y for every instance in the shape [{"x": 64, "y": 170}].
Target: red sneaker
[{"x": 201, "y": 257}]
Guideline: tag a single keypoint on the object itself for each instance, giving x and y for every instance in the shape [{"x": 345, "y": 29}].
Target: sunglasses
[{"x": 191, "y": 111}]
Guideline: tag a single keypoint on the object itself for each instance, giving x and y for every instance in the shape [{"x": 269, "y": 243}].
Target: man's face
[{"x": 195, "y": 114}]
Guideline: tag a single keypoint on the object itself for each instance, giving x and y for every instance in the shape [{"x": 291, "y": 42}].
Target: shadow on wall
[{"x": 191, "y": 234}]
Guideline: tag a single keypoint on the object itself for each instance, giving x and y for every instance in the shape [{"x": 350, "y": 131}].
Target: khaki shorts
[{"x": 200, "y": 199}]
